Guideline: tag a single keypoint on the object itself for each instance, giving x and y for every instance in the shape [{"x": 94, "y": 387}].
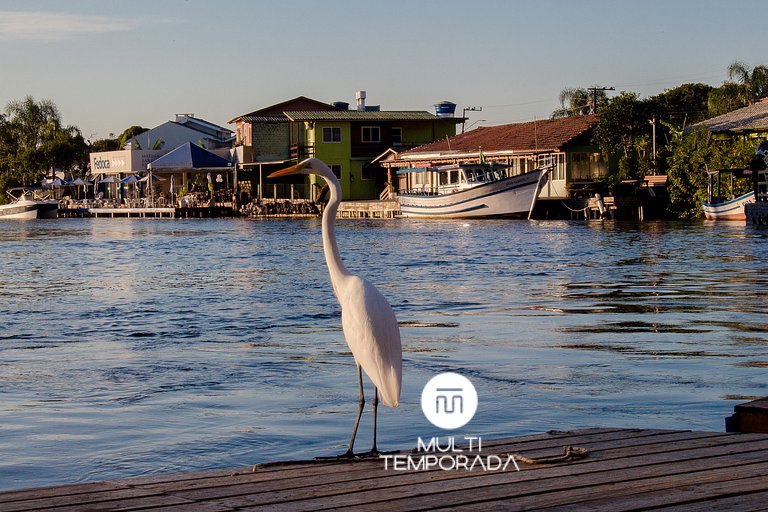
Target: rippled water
[{"x": 131, "y": 347}]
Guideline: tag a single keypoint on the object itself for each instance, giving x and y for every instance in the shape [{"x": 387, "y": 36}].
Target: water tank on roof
[
  {"x": 341, "y": 105},
  {"x": 445, "y": 109}
]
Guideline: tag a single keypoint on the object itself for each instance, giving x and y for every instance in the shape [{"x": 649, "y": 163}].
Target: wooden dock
[
  {"x": 372, "y": 209},
  {"x": 625, "y": 469}
]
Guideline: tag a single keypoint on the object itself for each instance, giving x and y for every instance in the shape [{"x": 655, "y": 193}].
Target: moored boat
[
  {"x": 719, "y": 208},
  {"x": 728, "y": 210},
  {"x": 468, "y": 190},
  {"x": 27, "y": 205}
]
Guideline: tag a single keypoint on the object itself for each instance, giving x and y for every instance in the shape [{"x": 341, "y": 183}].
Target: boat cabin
[{"x": 447, "y": 179}]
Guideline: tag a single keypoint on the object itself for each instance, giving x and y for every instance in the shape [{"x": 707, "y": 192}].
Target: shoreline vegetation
[{"x": 639, "y": 136}]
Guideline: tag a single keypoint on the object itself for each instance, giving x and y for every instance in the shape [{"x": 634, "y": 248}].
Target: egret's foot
[
  {"x": 376, "y": 453},
  {"x": 349, "y": 454}
]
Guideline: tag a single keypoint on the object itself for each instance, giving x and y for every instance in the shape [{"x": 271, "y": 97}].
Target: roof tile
[{"x": 549, "y": 134}]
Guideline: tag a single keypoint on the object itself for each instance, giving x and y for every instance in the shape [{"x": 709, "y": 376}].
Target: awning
[{"x": 189, "y": 158}]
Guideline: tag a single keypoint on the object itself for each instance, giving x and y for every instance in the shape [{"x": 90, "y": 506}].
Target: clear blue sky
[{"x": 112, "y": 64}]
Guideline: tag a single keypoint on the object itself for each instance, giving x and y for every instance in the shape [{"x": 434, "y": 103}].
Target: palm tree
[
  {"x": 745, "y": 85},
  {"x": 753, "y": 81},
  {"x": 577, "y": 101}
]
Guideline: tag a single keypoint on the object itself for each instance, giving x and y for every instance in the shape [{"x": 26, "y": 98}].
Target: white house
[{"x": 186, "y": 128}]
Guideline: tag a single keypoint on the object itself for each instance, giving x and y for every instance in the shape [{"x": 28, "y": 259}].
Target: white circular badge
[{"x": 449, "y": 400}]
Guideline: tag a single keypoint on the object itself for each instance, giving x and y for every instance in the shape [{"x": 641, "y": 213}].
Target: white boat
[
  {"x": 28, "y": 205},
  {"x": 718, "y": 208},
  {"x": 728, "y": 210},
  {"x": 468, "y": 190}
]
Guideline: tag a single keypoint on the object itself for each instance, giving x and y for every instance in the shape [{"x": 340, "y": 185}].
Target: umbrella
[
  {"x": 58, "y": 182},
  {"x": 109, "y": 179},
  {"x": 133, "y": 178},
  {"x": 78, "y": 182},
  {"x": 153, "y": 178}
]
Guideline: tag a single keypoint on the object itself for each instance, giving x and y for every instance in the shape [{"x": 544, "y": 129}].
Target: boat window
[
  {"x": 453, "y": 177},
  {"x": 479, "y": 175},
  {"x": 444, "y": 178}
]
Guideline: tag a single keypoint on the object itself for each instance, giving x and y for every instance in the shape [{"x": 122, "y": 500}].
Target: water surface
[{"x": 139, "y": 346}]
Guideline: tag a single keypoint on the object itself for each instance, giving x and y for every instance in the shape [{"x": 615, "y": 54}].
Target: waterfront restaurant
[{"x": 187, "y": 172}]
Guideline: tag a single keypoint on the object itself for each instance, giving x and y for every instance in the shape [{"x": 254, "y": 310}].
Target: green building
[{"x": 348, "y": 140}]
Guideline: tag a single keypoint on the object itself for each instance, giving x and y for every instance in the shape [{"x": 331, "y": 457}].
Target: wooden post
[{"x": 749, "y": 417}]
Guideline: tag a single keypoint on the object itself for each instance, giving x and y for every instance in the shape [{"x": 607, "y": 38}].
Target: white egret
[{"x": 369, "y": 324}]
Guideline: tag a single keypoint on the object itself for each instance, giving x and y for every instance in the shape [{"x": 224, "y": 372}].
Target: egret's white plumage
[{"x": 369, "y": 323}]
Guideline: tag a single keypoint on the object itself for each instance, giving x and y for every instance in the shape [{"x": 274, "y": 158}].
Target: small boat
[
  {"x": 718, "y": 208},
  {"x": 468, "y": 190},
  {"x": 728, "y": 210},
  {"x": 28, "y": 205}
]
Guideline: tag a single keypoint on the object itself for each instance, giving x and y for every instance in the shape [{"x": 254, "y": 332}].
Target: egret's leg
[
  {"x": 361, "y": 404},
  {"x": 375, "y": 450}
]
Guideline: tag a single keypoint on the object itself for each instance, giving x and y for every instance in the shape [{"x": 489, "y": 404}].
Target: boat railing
[{"x": 420, "y": 191}]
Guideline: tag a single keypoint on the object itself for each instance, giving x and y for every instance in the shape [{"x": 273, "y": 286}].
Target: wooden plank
[
  {"x": 429, "y": 494},
  {"x": 626, "y": 470},
  {"x": 714, "y": 497},
  {"x": 353, "y": 473},
  {"x": 719, "y": 481},
  {"x": 123, "y": 499},
  {"x": 297, "y": 473}
]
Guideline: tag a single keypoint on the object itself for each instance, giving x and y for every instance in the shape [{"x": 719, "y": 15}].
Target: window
[
  {"x": 369, "y": 171},
  {"x": 371, "y": 134},
  {"x": 397, "y": 136},
  {"x": 587, "y": 166},
  {"x": 331, "y": 134},
  {"x": 336, "y": 168}
]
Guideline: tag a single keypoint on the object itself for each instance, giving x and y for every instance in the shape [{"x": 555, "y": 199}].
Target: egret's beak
[{"x": 296, "y": 169}]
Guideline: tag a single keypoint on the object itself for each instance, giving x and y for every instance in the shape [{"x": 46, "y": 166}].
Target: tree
[
  {"x": 33, "y": 142},
  {"x": 623, "y": 130},
  {"x": 693, "y": 157},
  {"x": 744, "y": 86},
  {"x": 753, "y": 81},
  {"x": 577, "y": 101},
  {"x": 130, "y": 133},
  {"x": 684, "y": 105}
]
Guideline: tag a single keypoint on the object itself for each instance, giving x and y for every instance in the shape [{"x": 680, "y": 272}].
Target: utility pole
[
  {"x": 464, "y": 115},
  {"x": 593, "y": 96},
  {"x": 653, "y": 124}
]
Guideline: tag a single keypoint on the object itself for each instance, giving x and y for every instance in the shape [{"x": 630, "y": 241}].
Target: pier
[
  {"x": 625, "y": 470},
  {"x": 150, "y": 212}
]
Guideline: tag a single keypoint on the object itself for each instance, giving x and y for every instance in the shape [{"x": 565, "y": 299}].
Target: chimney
[{"x": 360, "y": 100}]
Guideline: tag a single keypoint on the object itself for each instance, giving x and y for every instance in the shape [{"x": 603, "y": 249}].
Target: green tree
[
  {"x": 108, "y": 144},
  {"x": 623, "y": 130},
  {"x": 745, "y": 85},
  {"x": 753, "y": 81},
  {"x": 577, "y": 101},
  {"x": 34, "y": 141},
  {"x": 693, "y": 157},
  {"x": 130, "y": 133},
  {"x": 684, "y": 105}
]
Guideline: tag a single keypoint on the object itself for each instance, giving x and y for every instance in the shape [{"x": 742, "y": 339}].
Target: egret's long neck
[{"x": 336, "y": 267}]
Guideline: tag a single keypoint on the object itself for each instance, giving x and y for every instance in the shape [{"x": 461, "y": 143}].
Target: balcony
[{"x": 301, "y": 151}]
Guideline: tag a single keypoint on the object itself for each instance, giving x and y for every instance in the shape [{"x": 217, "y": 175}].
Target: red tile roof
[{"x": 545, "y": 135}]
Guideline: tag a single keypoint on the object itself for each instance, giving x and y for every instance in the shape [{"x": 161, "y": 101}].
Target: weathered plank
[{"x": 626, "y": 470}]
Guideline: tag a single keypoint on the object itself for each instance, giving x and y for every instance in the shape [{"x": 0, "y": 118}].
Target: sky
[{"x": 111, "y": 64}]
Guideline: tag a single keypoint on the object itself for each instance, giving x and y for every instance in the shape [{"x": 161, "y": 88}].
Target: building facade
[
  {"x": 348, "y": 140},
  {"x": 186, "y": 128},
  {"x": 563, "y": 143}
]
